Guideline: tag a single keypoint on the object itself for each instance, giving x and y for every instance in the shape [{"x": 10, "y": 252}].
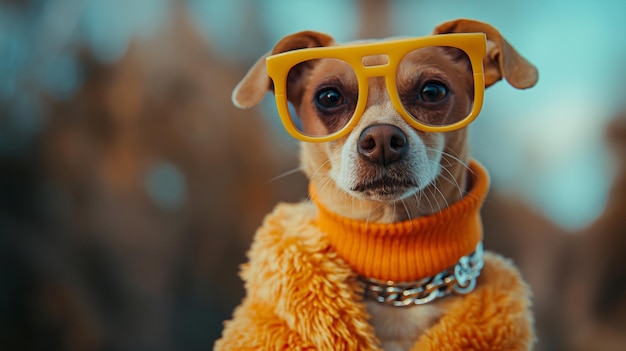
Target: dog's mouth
[{"x": 386, "y": 188}]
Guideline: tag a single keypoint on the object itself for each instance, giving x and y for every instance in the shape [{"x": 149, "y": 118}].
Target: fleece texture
[{"x": 302, "y": 295}]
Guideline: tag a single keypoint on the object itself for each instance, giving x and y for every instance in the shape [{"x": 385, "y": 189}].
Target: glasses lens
[
  {"x": 322, "y": 94},
  {"x": 436, "y": 85}
]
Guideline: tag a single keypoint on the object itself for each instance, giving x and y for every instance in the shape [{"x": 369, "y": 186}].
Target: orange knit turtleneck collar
[{"x": 409, "y": 250}]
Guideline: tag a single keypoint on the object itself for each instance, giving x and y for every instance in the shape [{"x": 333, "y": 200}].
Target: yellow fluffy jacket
[{"x": 302, "y": 292}]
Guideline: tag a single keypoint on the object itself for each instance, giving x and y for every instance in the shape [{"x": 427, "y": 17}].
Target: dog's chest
[{"x": 398, "y": 328}]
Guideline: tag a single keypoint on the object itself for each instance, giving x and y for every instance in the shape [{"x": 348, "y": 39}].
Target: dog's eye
[
  {"x": 329, "y": 98},
  {"x": 433, "y": 92}
]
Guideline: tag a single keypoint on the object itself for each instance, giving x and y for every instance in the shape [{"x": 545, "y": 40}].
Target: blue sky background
[{"x": 545, "y": 144}]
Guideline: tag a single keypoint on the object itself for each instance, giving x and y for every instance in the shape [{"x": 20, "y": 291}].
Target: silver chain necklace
[{"x": 459, "y": 279}]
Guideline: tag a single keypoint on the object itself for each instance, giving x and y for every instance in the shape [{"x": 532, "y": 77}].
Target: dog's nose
[{"x": 382, "y": 143}]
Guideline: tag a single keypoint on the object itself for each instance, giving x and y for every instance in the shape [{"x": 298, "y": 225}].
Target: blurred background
[{"x": 130, "y": 187}]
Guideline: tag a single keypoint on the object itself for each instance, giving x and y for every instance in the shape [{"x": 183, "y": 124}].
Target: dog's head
[{"x": 384, "y": 169}]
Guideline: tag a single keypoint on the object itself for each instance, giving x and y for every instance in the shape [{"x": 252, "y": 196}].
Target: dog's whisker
[
  {"x": 367, "y": 218},
  {"x": 284, "y": 174},
  {"x": 325, "y": 182},
  {"x": 453, "y": 157},
  {"x": 431, "y": 199},
  {"x": 408, "y": 213},
  {"x": 452, "y": 180},
  {"x": 374, "y": 209},
  {"x": 433, "y": 192},
  {"x": 351, "y": 201},
  {"x": 462, "y": 192},
  {"x": 322, "y": 165},
  {"x": 443, "y": 197},
  {"x": 418, "y": 197},
  {"x": 425, "y": 196}
]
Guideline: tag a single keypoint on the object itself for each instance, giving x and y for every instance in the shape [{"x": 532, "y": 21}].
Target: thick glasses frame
[{"x": 279, "y": 65}]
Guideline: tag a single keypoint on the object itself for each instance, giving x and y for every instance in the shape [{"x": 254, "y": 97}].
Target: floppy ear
[
  {"x": 256, "y": 83},
  {"x": 501, "y": 59}
]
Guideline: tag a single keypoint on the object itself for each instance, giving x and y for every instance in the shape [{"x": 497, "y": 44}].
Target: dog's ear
[
  {"x": 256, "y": 83},
  {"x": 501, "y": 59}
]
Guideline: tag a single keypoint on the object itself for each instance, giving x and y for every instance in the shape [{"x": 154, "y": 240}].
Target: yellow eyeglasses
[{"x": 436, "y": 83}]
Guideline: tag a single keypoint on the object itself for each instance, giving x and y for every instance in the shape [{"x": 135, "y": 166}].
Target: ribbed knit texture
[{"x": 409, "y": 250}]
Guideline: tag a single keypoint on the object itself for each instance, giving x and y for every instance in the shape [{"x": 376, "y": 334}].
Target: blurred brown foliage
[
  {"x": 595, "y": 302},
  {"x": 93, "y": 260},
  {"x": 578, "y": 278}
]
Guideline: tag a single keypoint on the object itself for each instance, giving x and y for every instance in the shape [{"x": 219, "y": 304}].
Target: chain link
[{"x": 459, "y": 279}]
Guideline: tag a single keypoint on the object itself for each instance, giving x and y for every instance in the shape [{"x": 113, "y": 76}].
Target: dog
[{"x": 379, "y": 172}]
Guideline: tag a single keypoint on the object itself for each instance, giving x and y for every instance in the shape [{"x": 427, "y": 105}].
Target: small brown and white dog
[{"x": 384, "y": 170}]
